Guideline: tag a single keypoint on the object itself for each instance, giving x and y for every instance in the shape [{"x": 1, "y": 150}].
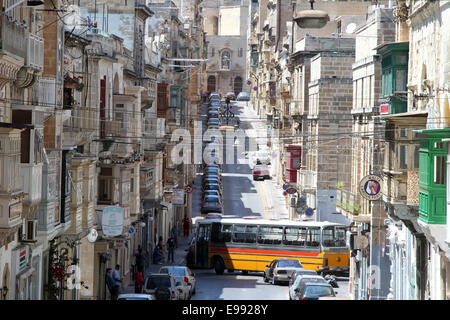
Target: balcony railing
[
  {"x": 307, "y": 180},
  {"x": 13, "y": 39},
  {"x": 348, "y": 202}
]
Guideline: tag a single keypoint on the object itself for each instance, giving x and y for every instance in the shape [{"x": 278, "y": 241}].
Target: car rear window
[
  {"x": 158, "y": 282},
  {"x": 319, "y": 291},
  {"x": 289, "y": 264},
  {"x": 211, "y": 199},
  {"x": 173, "y": 271}
]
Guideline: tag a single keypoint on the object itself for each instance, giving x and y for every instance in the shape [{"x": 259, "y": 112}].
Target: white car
[
  {"x": 183, "y": 274},
  {"x": 262, "y": 157},
  {"x": 135, "y": 296}
]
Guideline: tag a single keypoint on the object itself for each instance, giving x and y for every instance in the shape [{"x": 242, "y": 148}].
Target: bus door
[{"x": 204, "y": 231}]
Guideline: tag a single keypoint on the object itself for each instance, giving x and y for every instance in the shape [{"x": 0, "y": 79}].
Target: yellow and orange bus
[{"x": 251, "y": 244}]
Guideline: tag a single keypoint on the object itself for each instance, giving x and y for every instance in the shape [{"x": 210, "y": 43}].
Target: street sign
[
  {"x": 309, "y": 212},
  {"x": 131, "y": 230},
  {"x": 291, "y": 190},
  {"x": 370, "y": 187},
  {"x": 285, "y": 187},
  {"x": 188, "y": 189}
]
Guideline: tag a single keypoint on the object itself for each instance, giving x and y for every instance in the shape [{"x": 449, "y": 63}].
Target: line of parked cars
[
  {"x": 171, "y": 283},
  {"x": 211, "y": 180},
  {"x": 304, "y": 284}
]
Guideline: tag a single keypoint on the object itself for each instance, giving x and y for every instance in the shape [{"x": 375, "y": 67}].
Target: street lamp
[{"x": 312, "y": 18}]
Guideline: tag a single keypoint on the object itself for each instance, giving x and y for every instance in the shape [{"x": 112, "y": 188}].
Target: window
[
  {"x": 120, "y": 120},
  {"x": 403, "y": 164},
  {"x": 104, "y": 190},
  {"x": 226, "y": 60},
  {"x": 244, "y": 234},
  {"x": 295, "y": 236},
  {"x": 313, "y": 237},
  {"x": 416, "y": 157},
  {"x": 333, "y": 237},
  {"x": 212, "y": 52},
  {"x": 400, "y": 80},
  {"x": 240, "y": 50},
  {"x": 270, "y": 235},
  {"x": 439, "y": 169}
]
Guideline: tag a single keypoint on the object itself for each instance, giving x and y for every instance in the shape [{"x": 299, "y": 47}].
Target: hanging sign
[
  {"x": 112, "y": 221},
  {"x": 178, "y": 197},
  {"x": 370, "y": 187},
  {"x": 291, "y": 190}
]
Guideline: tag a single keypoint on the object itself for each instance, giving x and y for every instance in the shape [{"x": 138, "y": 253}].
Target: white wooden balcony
[
  {"x": 32, "y": 186},
  {"x": 307, "y": 180}
]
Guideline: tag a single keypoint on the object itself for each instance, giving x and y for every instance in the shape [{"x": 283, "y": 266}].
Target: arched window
[{"x": 226, "y": 60}]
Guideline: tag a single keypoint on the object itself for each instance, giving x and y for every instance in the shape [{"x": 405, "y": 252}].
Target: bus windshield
[{"x": 333, "y": 236}]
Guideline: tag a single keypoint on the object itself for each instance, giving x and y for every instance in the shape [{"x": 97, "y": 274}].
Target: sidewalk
[{"x": 179, "y": 257}]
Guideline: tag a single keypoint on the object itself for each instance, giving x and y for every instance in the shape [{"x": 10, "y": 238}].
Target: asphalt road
[{"x": 244, "y": 197}]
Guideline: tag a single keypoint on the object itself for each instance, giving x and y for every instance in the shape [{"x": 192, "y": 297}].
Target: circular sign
[
  {"x": 188, "y": 189},
  {"x": 255, "y": 88},
  {"x": 370, "y": 187},
  {"x": 291, "y": 190},
  {"x": 284, "y": 193},
  {"x": 285, "y": 187},
  {"x": 92, "y": 236},
  {"x": 131, "y": 230},
  {"x": 309, "y": 212}
]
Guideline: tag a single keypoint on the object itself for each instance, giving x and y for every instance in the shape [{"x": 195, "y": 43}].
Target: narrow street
[{"x": 242, "y": 196}]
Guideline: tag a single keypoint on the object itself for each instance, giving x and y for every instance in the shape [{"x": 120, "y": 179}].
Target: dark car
[
  {"x": 211, "y": 193},
  {"x": 243, "y": 96},
  {"x": 314, "y": 291},
  {"x": 211, "y": 204},
  {"x": 213, "y": 114},
  {"x": 211, "y": 170},
  {"x": 214, "y": 96},
  {"x": 281, "y": 270},
  {"x": 210, "y": 180},
  {"x": 301, "y": 273},
  {"x": 212, "y": 186},
  {"x": 213, "y": 122},
  {"x": 210, "y": 176}
]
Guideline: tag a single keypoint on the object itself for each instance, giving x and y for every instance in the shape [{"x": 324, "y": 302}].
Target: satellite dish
[
  {"x": 92, "y": 236},
  {"x": 350, "y": 28}
]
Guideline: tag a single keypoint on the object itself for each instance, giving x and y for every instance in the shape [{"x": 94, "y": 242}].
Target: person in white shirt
[{"x": 117, "y": 281}]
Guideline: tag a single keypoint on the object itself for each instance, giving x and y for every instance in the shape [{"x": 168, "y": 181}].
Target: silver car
[
  {"x": 135, "y": 296},
  {"x": 185, "y": 276},
  {"x": 281, "y": 270}
]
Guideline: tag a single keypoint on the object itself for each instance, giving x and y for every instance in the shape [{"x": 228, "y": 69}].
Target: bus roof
[{"x": 284, "y": 222}]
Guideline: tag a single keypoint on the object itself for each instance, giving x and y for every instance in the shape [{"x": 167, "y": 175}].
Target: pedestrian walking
[
  {"x": 186, "y": 225},
  {"x": 140, "y": 258},
  {"x": 138, "y": 280},
  {"x": 171, "y": 248},
  {"x": 111, "y": 284},
  {"x": 175, "y": 235},
  {"x": 161, "y": 248},
  {"x": 117, "y": 280}
]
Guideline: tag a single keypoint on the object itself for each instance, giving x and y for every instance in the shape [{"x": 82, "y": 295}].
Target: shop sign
[
  {"x": 22, "y": 260},
  {"x": 112, "y": 221},
  {"x": 370, "y": 187},
  {"x": 178, "y": 197}
]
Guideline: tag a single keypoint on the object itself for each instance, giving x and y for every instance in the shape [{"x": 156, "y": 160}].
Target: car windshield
[
  {"x": 319, "y": 291},
  {"x": 289, "y": 264},
  {"x": 158, "y": 282},
  {"x": 173, "y": 271}
]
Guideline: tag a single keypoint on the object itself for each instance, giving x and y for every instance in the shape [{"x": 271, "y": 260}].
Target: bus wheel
[{"x": 219, "y": 266}]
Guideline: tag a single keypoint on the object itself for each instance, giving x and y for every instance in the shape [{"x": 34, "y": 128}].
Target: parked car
[
  {"x": 162, "y": 287},
  {"x": 211, "y": 193},
  {"x": 300, "y": 273},
  {"x": 214, "y": 96},
  {"x": 213, "y": 122},
  {"x": 183, "y": 274},
  {"x": 314, "y": 291},
  {"x": 243, "y": 96},
  {"x": 210, "y": 180},
  {"x": 213, "y": 114},
  {"x": 281, "y": 270},
  {"x": 212, "y": 186},
  {"x": 135, "y": 296},
  {"x": 261, "y": 171},
  {"x": 211, "y": 176},
  {"x": 211, "y": 204},
  {"x": 230, "y": 95},
  {"x": 301, "y": 280}
]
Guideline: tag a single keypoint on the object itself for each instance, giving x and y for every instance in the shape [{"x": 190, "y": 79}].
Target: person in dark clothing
[
  {"x": 156, "y": 255},
  {"x": 171, "y": 247},
  {"x": 140, "y": 258},
  {"x": 186, "y": 225},
  {"x": 110, "y": 283}
]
